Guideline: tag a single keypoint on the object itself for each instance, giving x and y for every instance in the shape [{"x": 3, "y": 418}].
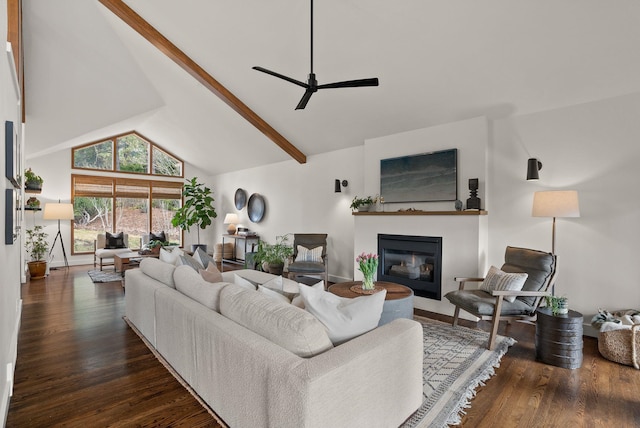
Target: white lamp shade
[
  {"x": 231, "y": 218},
  {"x": 57, "y": 211},
  {"x": 556, "y": 203}
]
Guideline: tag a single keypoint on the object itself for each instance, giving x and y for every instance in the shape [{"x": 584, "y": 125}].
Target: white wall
[
  {"x": 10, "y": 302},
  {"x": 301, "y": 199},
  {"x": 593, "y": 148}
]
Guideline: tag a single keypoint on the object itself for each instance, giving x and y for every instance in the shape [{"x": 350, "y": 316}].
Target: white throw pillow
[
  {"x": 299, "y": 301},
  {"x": 309, "y": 255},
  {"x": 273, "y": 294},
  {"x": 172, "y": 257},
  {"x": 283, "y": 286},
  {"x": 238, "y": 280},
  {"x": 343, "y": 318},
  {"x": 497, "y": 279}
]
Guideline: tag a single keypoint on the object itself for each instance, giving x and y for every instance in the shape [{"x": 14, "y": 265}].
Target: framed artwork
[
  {"x": 11, "y": 154},
  {"x": 11, "y": 216},
  {"x": 426, "y": 177}
]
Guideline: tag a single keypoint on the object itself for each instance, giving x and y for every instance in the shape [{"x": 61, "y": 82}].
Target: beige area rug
[{"x": 455, "y": 363}]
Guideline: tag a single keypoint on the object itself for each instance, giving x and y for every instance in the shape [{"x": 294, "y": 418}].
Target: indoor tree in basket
[
  {"x": 37, "y": 246},
  {"x": 197, "y": 209},
  {"x": 368, "y": 266}
]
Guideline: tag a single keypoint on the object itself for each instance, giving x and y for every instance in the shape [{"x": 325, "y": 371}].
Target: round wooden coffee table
[{"x": 398, "y": 302}]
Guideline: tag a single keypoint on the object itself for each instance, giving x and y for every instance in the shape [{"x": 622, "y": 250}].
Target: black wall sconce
[
  {"x": 533, "y": 166},
  {"x": 344, "y": 183}
]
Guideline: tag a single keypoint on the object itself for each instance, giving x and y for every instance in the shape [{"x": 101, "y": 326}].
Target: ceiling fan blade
[
  {"x": 281, "y": 76},
  {"x": 305, "y": 99},
  {"x": 351, "y": 83}
]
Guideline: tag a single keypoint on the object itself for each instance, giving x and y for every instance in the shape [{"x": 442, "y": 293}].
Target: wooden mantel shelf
[{"x": 418, "y": 212}]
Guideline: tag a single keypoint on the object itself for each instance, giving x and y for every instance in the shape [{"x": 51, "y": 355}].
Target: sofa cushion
[
  {"x": 158, "y": 270},
  {"x": 211, "y": 273},
  {"x": 254, "y": 276},
  {"x": 298, "y": 300},
  {"x": 499, "y": 280},
  {"x": 344, "y": 318},
  {"x": 274, "y": 294},
  {"x": 190, "y": 283},
  {"x": 283, "y": 324}
]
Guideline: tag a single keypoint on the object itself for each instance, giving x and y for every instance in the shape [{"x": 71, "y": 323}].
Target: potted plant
[
  {"x": 32, "y": 181},
  {"x": 153, "y": 247},
  {"x": 37, "y": 246},
  {"x": 197, "y": 209},
  {"x": 274, "y": 255},
  {"x": 363, "y": 204},
  {"x": 559, "y": 305}
]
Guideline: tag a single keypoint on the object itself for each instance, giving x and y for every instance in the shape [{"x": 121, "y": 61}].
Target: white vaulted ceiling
[{"x": 88, "y": 75}]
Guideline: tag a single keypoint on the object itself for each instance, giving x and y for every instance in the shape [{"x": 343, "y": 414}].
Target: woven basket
[
  {"x": 228, "y": 251},
  {"x": 621, "y": 346}
]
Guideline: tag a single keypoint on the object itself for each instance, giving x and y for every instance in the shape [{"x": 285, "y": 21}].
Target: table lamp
[{"x": 231, "y": 219}]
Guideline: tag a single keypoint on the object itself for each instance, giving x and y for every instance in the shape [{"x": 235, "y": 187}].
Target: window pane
[
  {"x": 163, "y": 211},
  {"x": 132, "y": 154},
  {"x": 132, "y": 217},
  {"x": 95, "y": 156},
  {"x": 91, "y": 217},
  {"x": 165, "y": 164}
]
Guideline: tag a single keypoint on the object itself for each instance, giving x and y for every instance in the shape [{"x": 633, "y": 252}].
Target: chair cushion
[
  {"x": 480, "y": 303},
  {"x": 499, "y": 280},
  {"x": 537, "y": 264},
  {"x": 104, "y": 253},
  {"x": 306, "y": 267}
]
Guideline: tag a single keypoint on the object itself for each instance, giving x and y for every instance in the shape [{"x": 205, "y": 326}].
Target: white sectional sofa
[{"x": 238, "y": 350}]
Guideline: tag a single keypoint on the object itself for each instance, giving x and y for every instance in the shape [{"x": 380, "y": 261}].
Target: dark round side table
[
  {"x": 398, "y": 301},
  {"x": 559, "y": 338}
]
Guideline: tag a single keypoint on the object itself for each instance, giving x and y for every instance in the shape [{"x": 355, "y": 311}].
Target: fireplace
[{"x": 414, "y": 261}]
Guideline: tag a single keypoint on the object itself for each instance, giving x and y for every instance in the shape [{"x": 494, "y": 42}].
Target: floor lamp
[
  {"x": 58, "y": 211},
  {"x": 555, "y": 203}
]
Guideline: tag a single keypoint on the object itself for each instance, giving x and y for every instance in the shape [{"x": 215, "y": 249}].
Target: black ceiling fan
[{"x": 312, "y": 84}]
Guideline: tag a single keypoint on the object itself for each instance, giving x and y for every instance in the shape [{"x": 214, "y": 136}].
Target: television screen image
[{"x": 426, "y": 177}]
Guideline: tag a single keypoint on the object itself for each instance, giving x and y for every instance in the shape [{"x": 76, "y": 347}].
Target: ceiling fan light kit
[{"x": 312, "y": 84}]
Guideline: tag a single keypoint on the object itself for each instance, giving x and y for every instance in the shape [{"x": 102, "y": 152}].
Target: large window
[
  {"x": 130, "y": 153},
  {"x": 117, "y": 204}
]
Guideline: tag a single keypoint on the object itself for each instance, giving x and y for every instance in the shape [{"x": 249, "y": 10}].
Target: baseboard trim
[{"x": 7, "y": 389}]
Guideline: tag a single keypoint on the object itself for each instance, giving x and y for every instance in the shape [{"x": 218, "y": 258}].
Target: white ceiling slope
[{"x": 88, "y": 75}]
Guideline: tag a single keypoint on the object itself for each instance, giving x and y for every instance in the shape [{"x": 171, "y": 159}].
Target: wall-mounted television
[{"x": 425, "y": 177}]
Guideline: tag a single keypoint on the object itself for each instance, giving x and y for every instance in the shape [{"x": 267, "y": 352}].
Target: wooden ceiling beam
[{"x": 146, "y": 30}]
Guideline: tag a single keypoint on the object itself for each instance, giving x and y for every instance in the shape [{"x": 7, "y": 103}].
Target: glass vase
[{"x": 367, "y": 282}]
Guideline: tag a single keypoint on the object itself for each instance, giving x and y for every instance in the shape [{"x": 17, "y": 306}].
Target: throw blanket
[{"x": 620, "y": 320}]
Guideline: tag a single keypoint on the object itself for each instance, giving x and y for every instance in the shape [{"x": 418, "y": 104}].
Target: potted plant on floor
[
  {"x": 274, "y": 255},
  {"x": 37, "y": 247},
  {"x": 197, "y": 210}
]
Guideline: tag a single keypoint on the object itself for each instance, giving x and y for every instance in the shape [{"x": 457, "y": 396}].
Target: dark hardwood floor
[{"x": 79, "y": 365}]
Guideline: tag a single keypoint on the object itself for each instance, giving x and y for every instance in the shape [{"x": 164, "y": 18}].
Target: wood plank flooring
[{"x": 79, "y": 365}]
